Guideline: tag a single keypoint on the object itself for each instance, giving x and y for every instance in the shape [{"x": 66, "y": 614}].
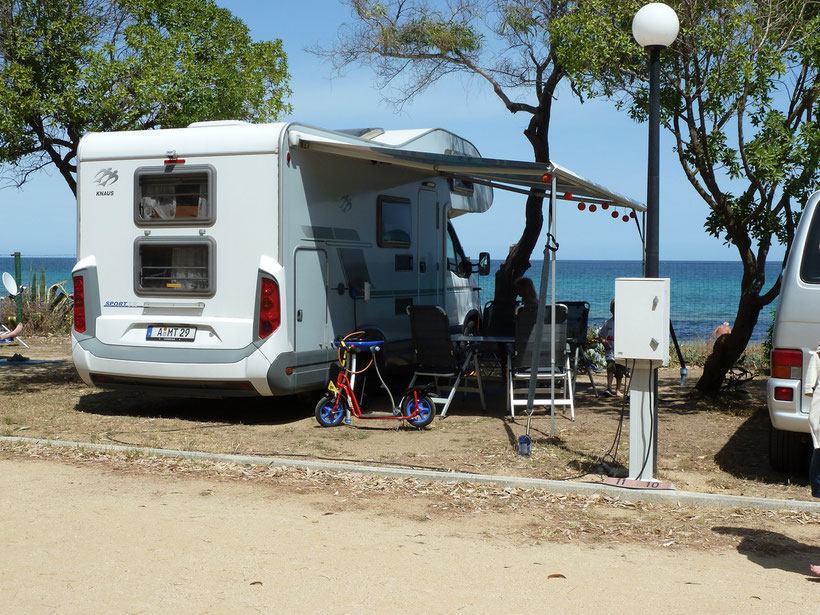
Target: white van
[{"x": 796, "y": 334}]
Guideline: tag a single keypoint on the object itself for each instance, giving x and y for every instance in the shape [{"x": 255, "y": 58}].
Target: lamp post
[{"x": 655, "y": 27}]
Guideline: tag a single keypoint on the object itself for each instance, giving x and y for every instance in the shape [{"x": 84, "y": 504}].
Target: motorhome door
[
  {"x": 428, "y": 249},
  {"x": 310, "y": 315}
]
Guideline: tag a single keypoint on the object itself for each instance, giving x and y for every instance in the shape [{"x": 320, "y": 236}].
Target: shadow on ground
[
  {"x": 239, "y": 411},
  {"x": 745, "y": 454},
  {"x": 773, "y": 550},
  {"x": 34, "y": 376}
]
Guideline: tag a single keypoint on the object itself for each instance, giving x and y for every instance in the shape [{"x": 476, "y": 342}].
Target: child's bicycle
[{"x": 340, "y": 401}]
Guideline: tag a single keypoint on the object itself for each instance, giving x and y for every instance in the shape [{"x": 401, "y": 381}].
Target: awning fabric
[{"x": 514, "y": 175}]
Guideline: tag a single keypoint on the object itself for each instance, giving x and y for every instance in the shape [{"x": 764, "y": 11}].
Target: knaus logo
[{"x": 105, "y": 178}]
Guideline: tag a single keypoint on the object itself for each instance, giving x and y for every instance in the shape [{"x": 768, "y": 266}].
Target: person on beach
[
  {"x": 613, "y": 370},
  {"x": 812, "y": 381},
  {"x": 723, "y": 329},
  {"x": 8, "y": 335},
  {"x": 525, "y": 289}
]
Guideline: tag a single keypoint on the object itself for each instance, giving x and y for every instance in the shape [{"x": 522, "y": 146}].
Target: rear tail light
[
  {"x": 269, "y": 313},
  {"x": 787, "y": 364},
  {"x": 79, "y": 304},
  {"x": 783, "y": 393}
]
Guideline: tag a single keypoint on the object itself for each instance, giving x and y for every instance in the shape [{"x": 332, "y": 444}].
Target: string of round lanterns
[{"x": 605, "y": 205}]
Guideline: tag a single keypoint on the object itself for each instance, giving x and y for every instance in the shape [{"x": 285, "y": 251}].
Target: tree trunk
[
  {"x": 518, "y": 258},
  {"x": 729, "y": 348}
]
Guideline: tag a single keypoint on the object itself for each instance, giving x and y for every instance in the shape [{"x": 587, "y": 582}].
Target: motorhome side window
[
  {"x": 395, "y": 222},
  {"x": 810, "y": 264},
  {"x": 183, "y": 266},
  {"x": 456, "y": 261},
  {"x": 174, "y": 195}
]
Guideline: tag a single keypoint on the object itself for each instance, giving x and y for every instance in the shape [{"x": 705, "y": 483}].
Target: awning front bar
[{"x": 515, "y": 175}]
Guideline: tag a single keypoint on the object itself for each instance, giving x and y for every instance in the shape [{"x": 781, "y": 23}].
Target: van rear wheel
[{"x": 789, "y": 451}]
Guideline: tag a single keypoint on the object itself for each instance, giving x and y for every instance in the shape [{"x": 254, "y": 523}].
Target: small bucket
[{"x": 524, "y": 446}]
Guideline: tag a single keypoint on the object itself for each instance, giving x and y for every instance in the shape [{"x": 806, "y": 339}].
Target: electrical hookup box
[{"x": 642, "y": 320}]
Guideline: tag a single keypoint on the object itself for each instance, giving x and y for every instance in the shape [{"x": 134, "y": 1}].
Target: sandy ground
[
  {"x": 90, "y": 540},
  {"x": 97, "y": 533}
]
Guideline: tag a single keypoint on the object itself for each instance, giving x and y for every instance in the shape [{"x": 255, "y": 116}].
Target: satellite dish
[{"x": 10, "y": 284}]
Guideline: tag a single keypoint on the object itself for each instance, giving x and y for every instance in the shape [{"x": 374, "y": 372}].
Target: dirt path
[{"x": 91, "y": 540}]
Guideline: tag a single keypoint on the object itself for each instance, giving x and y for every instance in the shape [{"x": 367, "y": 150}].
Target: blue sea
[{"x": 704, "y": 293}]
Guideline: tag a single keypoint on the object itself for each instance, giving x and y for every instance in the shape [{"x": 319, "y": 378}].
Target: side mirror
[{"x": 484, "y": 263}]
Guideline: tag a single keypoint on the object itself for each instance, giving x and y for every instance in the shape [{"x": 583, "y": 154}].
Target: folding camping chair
[
  {"x": 550, "y": 372},
  {"x": 497, "y": 319},
  {"x": 436, "y": 357},
  {"x": 577, "y": 324}
]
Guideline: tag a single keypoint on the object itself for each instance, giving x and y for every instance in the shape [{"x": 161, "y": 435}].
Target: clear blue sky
[{"x": 592, "y": 139}]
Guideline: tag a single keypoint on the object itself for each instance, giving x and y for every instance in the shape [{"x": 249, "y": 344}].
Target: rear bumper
[
  {"x": 242, "y": 372},
  {"x": 199, "y": 372},
  {"x": 788, "y": 415}
]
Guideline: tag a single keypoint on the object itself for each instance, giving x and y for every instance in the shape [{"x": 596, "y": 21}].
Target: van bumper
[
  {"x": 201, "y": 373},
  {"x": 788, "y": 415},
  {"x": 246, "y": 376}
]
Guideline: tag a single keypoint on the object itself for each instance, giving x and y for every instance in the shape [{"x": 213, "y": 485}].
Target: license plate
[{"x": 171, "y": 334}]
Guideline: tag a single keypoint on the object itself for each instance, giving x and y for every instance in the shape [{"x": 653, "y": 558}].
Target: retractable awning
[{"x": 513, "y": 175}]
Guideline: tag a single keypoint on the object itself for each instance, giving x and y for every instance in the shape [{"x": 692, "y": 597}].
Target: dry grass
[{"x": 717, "y": 447}]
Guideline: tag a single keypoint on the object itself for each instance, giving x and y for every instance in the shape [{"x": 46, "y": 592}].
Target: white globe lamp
[{"x": 655, "y": 25}]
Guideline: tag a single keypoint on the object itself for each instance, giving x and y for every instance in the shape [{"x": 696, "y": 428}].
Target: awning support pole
[{"x": 549, "y": 253}]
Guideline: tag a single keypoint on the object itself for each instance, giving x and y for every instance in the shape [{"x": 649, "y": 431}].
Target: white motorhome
[
  {"x": 796, "y": 334},
  {"x": 224, "y": 258}
]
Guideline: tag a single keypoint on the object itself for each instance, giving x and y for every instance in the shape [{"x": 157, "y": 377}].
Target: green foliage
[
  {"x": 430, "y": 34},
  {"x": 74, "y": 66},
  {"x": 738, "y": 90},
  {"x": 594, "y": 347}
]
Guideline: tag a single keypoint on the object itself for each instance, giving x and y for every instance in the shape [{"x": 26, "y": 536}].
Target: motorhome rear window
[
  {"x": 395, "y": 222},
  {"x": 174, "y": 195},
  {"x": 183, "y": 266},
  {"x": 810, "y": 263}
]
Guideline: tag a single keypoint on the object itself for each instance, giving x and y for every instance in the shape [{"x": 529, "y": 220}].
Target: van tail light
[
  {"x": 784, "y": 393},
  {"x": 787, "y": 364},
  {"x": 270, "y": 315},
  {"x": 79, "y": 304}
]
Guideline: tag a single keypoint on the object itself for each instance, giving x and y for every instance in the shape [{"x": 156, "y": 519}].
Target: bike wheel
[
  {"x": 426, "y": 407},
  {"x": 330, "y": 410}
]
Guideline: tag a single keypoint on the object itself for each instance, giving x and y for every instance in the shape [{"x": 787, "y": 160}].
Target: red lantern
[
  {"x": 632, "y": 214},
  {"x": 582, "y": 206},
  {"x": 547, "y": 178},
  {"x": 625, "y": 218},
  {"x": 568, "y": 196},
  {"x": 614, "y": 214},
  {"x": 604, "y": 205},
  {"x": 592, "y": 207}
]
